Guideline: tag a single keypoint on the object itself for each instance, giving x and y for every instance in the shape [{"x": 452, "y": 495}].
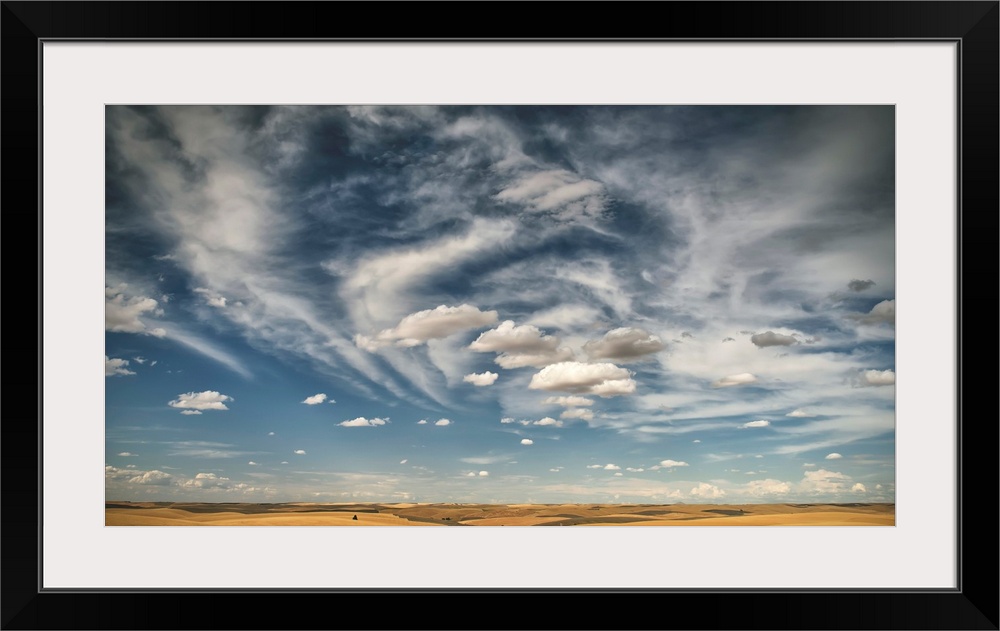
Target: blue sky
[{"x": 500, "y": 304}]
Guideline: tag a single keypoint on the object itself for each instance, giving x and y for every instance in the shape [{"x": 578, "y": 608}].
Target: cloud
[
  {"x": 611, "y": 467},
  {"x": 882, "y": 313},
  {"x": 122, "y": 314},
  {"x": 299, "y": 452},
  {"x": 859, "y": 488},
  {"x": 740, "y": 379},
  {"x": 548, "y": 421},
  {"x": 770, "y": 338},
  {"x": 422, "y": 422},
  {"x": 527, "y": 441},
  {"x": 439, "y": 322},
  {"x": 696, "y": 440},
  {"x": 624, "y": 344},
  {"x": 126, "y": 454},
  {"x": 605, "y": 380},
  {"x": 769, "y": 486},
  {"x": 214, "y": 299},
  {"x": 253, "y": 464},
  {"x": 520, "y": 346},
  {"x": 728, "y": 339},
  {"x": 569, "y": 402},
  {"x": 556, "y": 191},
  {"x": 673, "y": 463},
  {"x": 595, "y": 466},
  {"x": 707, "y": 490},
  {"x": 579, "y": 413},
  {"x": 833, "y": 456},
  {"x": 207, "y": 400},
  {"x": 141, "y": 360},
  {"x": 116, "y": 367},
  {"x": 442, "y": 422},
  {"x": 153, "y": 478},
  {"x": 878, "y": 378},
  {"x": 190, "y": 412},
  {"x": 860, "y": 285},
  {"x": 822, "y": 481},
  {"x": 760, "y": 423},
  {"x": 315, "y": 399},
  {"x": 481, "y": 379},
  {"x": 483, "y": 474},
  {"x": 207, "y": 480},
  {"x": 534, "y": 360},
  {"x": 800, "y": 413},
  {"x": 363, "y": 422}
]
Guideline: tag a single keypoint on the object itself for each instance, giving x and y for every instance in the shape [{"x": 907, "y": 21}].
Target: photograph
[
  {"x": 510, "y": 278},
  {"x": 500, "y": 315}
]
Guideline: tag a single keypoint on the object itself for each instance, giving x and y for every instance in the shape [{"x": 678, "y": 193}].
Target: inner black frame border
[{"x": 973, "y": 25}]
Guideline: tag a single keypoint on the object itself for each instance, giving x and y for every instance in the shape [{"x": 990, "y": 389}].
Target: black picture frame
[{"x": 975, "y": 26}]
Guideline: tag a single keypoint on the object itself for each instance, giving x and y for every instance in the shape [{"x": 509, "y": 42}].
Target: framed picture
[{"x": 863, "y": 136}]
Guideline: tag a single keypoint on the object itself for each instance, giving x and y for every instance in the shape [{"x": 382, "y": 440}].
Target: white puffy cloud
[
  {"x": 635, "y": 470},
  {"x": 252, "y": 463},
  {"x": 770, "y": 338},
  {"x": 122, "y": 313},
  {"x": 569, "y": 402},
  {"x": 760, "y": 423},
  {"x": 673, "y": 463},
  {"x": 707, "y": 490},
  {"x": 206, "y": 481},
  {"x": 822, "y": 481},
  {"x": 579, "y": 413},
  {"x": 595, "y": 466},
  {"x": 299, "y": 452},
  {"x": 605, "y": 380},
  {"x": 207, "y": 400},
  {"x": 882, "y": 313},
  {"x": 527, "y": 441},
  {"x": 878, "y": 378},
  {"x": 611, "y": 467},
  {"x": 142, "y": 360},
  {"x": 859, "y": 488},
  {"x": 436, "y": 323},
  {"x": 769, "y": 486},
  {"x": 520, "y": 346},
  {"x": 833, "y": 456},
  {"x": 315, "y": 399},
  {"x": 533, "y": 360},
  {"x": 481, "y": 379},
  {"x": 153, "y": 478},
  {"x": 362, "y": 422},
  {"x": 548, "y": 421},
  {"x": 214, "y": 299},
  {"x": 191, "y": 412},
  {"x": 114, "y": 366},
  {"x": 483, "y": 474},
  {"x": 441, "y": 422},
  {"x": 558, "y": 192},
  {"x": 624, "y": 344},
  {"x": 126, "y": 454},
  {"x": 696, "y": 440},
  {"x": 740, "y": 379},
  {"x": 800, "y": 413},
  {"x": 422, "y": 421}
]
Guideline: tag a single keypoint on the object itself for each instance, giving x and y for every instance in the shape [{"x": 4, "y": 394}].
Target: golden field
[{"x": 413, "y": 514}]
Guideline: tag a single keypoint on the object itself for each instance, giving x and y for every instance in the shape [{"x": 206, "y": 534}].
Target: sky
[{"x": 500, "y": 304}]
